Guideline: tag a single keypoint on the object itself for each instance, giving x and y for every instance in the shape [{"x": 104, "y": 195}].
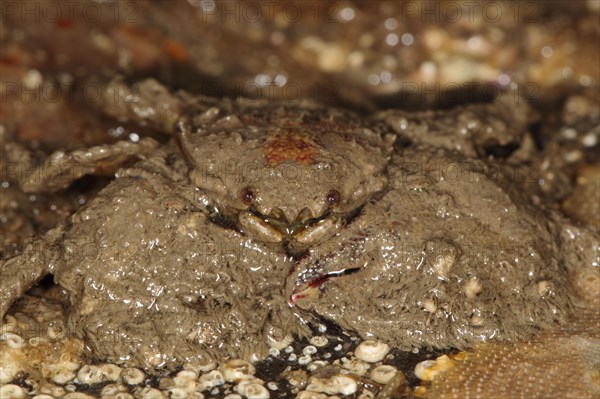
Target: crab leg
[
  {"x": 62, "y": 168},
  {"x": 475, "y": 130},
  {"x": 148, "y": 104},
  {"x": 21, "y": 272}
]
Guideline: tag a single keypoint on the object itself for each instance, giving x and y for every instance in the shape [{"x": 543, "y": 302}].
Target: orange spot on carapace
[{"x": 290, "y": 146}]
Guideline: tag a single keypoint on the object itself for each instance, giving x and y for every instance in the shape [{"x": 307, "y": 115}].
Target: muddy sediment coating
[{"x": 536, "y": 166}]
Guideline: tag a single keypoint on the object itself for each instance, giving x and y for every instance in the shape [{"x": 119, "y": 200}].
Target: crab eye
[
  {"x": 247, "y": 195},
  {"x": 332, "y": 198}
]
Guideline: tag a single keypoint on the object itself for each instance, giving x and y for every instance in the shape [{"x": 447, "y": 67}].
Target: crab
[{"x": 257, "y": 218}]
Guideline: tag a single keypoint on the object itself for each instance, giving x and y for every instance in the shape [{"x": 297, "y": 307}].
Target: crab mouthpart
[
  {"x": 311, "y": 288},
  {"x": 279, "y": 226},
  {"x": 289, "y": 221}
]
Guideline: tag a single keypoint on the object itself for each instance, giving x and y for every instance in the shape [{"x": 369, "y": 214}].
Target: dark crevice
[{"x": 500, "y": 151}]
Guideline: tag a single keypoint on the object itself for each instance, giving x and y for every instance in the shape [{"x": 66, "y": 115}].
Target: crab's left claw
[
  {"x": 311, "y": 290},
  {"x": 303, "y": 292}
]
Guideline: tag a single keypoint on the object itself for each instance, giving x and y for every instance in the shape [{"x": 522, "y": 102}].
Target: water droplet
[{"x": 347, "y": 14}]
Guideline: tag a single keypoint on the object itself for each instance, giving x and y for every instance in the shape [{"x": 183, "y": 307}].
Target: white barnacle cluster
[
  {"x": 428, "y": 370},
  {"x": 12, "y": 391},
  {"x": 319, "y": 341},
  {"x": 366, "y": 363},
  {"x": 65, "y": 375},
  {"x": 211, "y": 380},
  {"x": 241, "y": 373},
  {"x": 196, "y": 382},
  {"x": 95, "y": 374},
  {"x": 338, "y": 384},
  {"x": 371, "y": 351},
  {"x": 11, "y": 358},
  {"x": 63, "y": 371}
]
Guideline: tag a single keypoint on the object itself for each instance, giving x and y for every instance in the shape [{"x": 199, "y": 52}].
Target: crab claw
[
  {"x": 311, "y": 288},
  {"x": 296, "y": 295}
]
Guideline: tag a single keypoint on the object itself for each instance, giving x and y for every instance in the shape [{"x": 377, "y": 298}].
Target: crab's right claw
[
  {"x": 62, "y": 168},
  {"x": 24, "y": 270}
]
